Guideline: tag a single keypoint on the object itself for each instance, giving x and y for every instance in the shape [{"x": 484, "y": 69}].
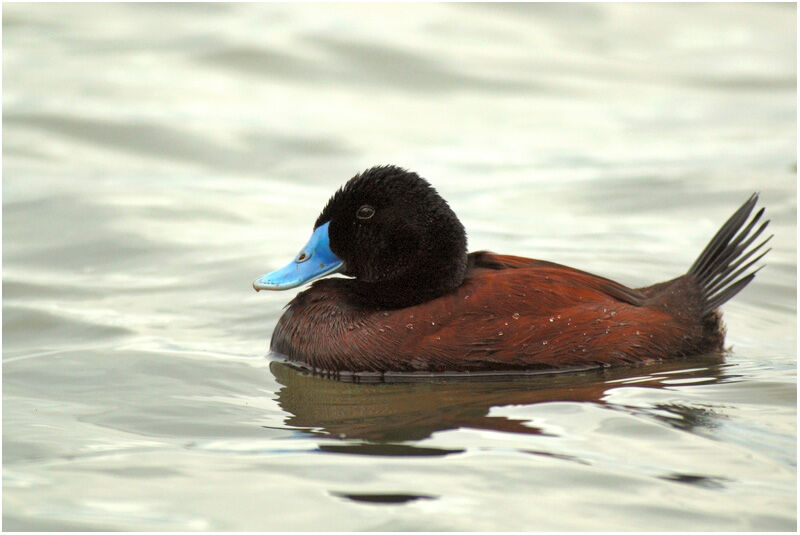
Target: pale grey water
[{"x": 158, "y": 158}]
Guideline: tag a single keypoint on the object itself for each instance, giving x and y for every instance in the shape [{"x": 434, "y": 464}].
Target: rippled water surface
[{"x": 158, "y": 158}]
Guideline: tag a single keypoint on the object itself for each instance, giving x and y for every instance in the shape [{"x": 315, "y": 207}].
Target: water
[{"x": 158, "y": 158}]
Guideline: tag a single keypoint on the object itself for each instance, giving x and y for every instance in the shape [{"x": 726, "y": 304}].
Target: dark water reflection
[{"x": 390, "y": 413}]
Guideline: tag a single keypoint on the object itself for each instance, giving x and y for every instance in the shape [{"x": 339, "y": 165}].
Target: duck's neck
[{"x": 412, "y": 287}]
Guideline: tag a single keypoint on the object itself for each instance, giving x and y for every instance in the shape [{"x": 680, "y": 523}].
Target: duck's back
[{"x": 510, "y": 313}]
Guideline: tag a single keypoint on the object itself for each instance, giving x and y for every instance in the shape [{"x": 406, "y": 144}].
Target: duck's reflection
[{"x": 394, "y": 413}]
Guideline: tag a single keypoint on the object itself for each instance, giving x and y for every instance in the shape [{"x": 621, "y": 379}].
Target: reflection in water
[
  {"x": 697, "y": 480},
  {"x": 383, "y": 498},
  {"x": 387, "y": 450},
  {"x": 398, "y": 412},
  {"x": 688, "y": 417}
]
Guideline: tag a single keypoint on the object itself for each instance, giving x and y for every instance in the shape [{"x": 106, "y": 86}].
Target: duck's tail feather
[{"x": 721, "y": 268}]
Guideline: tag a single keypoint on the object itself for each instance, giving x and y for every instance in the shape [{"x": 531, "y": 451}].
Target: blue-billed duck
[{"x": 414, "y": 300}]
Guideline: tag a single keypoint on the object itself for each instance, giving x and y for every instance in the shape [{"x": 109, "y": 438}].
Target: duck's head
[{"x": 390, "y": 230}]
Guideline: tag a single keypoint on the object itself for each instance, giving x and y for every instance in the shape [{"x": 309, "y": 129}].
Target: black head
[{"x": 396, "y": 236}]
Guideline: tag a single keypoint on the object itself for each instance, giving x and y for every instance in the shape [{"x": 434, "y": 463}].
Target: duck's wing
[{"x": 489, "y": 260}]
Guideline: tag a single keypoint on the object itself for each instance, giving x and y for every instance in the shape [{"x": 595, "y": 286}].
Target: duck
[{"x": 411, "y": 299}]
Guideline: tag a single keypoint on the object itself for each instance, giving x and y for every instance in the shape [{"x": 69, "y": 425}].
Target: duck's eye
[{"x": 365, "y": 212}]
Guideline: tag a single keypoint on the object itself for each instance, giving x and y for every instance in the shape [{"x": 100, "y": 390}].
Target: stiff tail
[{"x": 720, "y": 268}]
